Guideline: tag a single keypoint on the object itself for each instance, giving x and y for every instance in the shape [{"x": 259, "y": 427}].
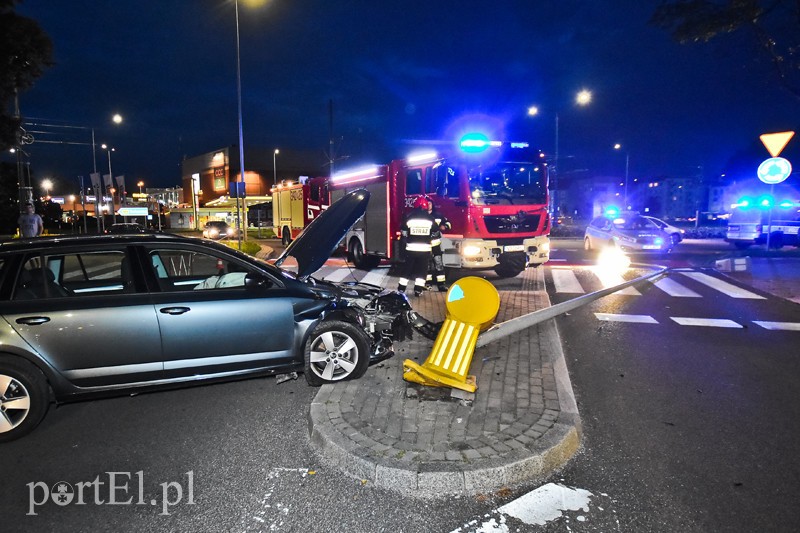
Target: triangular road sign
[{"x": 776, "y": 142}]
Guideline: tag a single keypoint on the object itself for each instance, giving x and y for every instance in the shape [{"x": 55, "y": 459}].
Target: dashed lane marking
[
  {"x": 639, "y": 319},
  {"x": 706, "y": 322},
  {"x": 787, "y": 326}
]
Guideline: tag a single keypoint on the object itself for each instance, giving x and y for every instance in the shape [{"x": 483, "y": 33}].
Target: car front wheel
[
  {"x": 335, "y": 351},
  {"x": 587, "y": 244},
  {"x": 24, "y": 398}
]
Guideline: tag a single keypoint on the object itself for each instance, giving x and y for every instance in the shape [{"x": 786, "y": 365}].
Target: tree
[
  {"x": 773, "y": 26},
  {"x": 25, "y": 52}
]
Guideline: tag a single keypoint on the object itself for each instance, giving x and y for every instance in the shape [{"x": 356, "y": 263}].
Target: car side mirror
[{"x": 254, "y": 280}]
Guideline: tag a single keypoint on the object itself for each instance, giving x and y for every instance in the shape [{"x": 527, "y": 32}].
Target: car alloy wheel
[
  {"x": 23, "y": 398},
  {"x": 335, "y": 351}
]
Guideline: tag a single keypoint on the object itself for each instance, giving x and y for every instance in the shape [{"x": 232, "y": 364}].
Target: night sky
[{"x": 399, "y": 74}]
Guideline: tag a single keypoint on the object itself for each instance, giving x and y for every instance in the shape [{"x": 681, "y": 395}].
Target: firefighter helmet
[{"x": 421, "y": 203}]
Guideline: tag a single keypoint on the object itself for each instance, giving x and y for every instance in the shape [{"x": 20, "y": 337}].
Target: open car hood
[{"x": 319, "y": 239}]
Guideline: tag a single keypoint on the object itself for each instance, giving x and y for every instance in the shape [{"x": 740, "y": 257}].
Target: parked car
[
  {"x": 95, "y": 315},
  {"x": 628, "y": 232},
  {"x": 125, "y": 227},
  {"x": 218, "y": 229},
  {"x": 675, "y": 233}
]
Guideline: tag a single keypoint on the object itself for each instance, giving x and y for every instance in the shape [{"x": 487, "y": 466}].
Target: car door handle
[
  {"x": 33, "y": 320},
  {"x": 174, "y": 310}
]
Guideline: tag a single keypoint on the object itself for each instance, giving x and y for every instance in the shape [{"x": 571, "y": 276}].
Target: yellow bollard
[{"x": 472, "y": 304}]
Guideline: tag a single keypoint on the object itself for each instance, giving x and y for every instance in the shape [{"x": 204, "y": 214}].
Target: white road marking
[
  {"x": 376, "y": 277},
  {"x": 673, "y": 288},
  {"x": 787, "y": 326},
  {"x": 610, "y": 279},
  {"x": 538, "y": 507},
  {"x": 706, "y": 322},
  {"x": 338, "y": 275},
  {"x": 566, "y": 281},
  {"x": 722, "y": 286},
  {"x": 638, "y": 319}
]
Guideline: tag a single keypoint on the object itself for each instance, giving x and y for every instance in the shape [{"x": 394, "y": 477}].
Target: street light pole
[
  {"x": 275, "y": 168},
  {"x": 241, "y": 135},
  {"x": 627, "y": 166}
]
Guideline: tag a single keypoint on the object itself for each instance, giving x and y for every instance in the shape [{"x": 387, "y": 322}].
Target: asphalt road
[{"x": 685, "y": 429}]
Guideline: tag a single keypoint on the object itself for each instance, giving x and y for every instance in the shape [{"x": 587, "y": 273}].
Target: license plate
[
  {"x": 651, "y": 247},
  {"x": 513, "y": 248}
]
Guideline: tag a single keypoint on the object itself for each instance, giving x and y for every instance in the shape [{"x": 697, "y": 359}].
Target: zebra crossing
[
  {"x": 566, "y": 280},
  {"x": 575, "y": 281}
]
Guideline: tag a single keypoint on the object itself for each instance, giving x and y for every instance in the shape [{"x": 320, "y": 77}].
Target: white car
[{"x": 676, "y": 234}]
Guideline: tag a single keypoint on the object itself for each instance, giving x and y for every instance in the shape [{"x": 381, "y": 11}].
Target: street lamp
[
  {"x": 275, "y": 168},
  {"x": 140, "y": 184},
  {"x": 627, "y": 165},
  {"x": 582, "y": 99},
  {"x": 47, "y": 185},
  {"x": 108, "y": 150}
]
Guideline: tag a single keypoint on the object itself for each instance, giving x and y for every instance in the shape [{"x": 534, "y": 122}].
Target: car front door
[
  {"x": 87, "y": 313},
  {"x": 211, "y": 324}
]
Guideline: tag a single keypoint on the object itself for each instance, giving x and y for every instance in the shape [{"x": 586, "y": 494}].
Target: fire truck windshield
[{"x": 508, "y": 183}]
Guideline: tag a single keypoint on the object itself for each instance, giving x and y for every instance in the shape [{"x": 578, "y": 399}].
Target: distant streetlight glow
[
  {"x": 117, "y": 119},
  {"x": 275, "y": 167},
  {"x": 583, "y": 97},
  {"x": 47, "y": 185},
  {"x": 533, "y": 111}
]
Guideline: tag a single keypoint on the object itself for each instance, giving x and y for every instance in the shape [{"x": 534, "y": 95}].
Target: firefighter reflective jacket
[{"x": 417, "y": 231}]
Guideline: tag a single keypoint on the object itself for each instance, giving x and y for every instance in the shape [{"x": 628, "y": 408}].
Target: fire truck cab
[
  {"x": 295, "y": 204},
  {"x": 495, "y": 199}
]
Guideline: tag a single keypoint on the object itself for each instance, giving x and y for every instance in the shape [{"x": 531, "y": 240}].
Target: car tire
[
  {"x": 286, "y": 236},
  {"x": 675, "y": 239},
  {"x": 587, "y": 244},
  {"x": 335, "y": 351},
  {"x": 24, "y": 397}
]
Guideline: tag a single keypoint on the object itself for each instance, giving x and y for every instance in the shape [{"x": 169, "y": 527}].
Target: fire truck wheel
[
  {"x": 510, "y": 265},
  {"x": 362, "y": 261},
  {"x": 286, "y": 236}
]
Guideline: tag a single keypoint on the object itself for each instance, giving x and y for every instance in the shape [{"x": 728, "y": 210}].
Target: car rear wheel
[
  {"x": 335, "y": 351},
  {"x": 24, "y": 397},
  {"x": 587, "y": 244},
  {"x": 286, "y": 236},
  {"x": 675, "y": 238}
]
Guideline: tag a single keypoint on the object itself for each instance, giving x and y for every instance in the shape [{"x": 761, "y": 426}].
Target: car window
[
  {"x": 186, "y": 270},
  {"x": 634, "y": 223},
  {"x": 74, "y": 274}
]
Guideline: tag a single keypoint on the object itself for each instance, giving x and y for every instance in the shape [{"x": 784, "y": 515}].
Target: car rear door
[
  {"x": 86, "y": 311},
  {"x": 210, "y": 322}
]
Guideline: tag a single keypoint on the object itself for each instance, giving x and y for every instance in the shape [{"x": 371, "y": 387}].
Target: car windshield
[
  {"x": 634, "y": 223},
  {"x": 508, "y": 183}
]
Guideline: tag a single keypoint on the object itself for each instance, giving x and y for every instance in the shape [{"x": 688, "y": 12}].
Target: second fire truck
[{"x": 495, "y": 195}]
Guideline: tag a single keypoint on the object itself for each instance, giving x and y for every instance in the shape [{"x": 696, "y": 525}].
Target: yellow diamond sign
[{"x": 776, "y": 142}]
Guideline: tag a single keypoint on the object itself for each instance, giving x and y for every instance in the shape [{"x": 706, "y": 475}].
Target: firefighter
[
  {"x": 417, "y": 234},
  {"x": 436, "y": 266}
]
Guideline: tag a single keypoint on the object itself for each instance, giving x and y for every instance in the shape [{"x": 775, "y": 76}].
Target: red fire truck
[
  {"x": 493, "y": 193},
  {"x": 295, "y": 204}
]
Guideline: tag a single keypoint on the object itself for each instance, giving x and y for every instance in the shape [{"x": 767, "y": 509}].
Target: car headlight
[
  {"x": 471, "y": 250},
  {"x": 230, "y": 231},
  {"x": 212, "y": 232}
]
